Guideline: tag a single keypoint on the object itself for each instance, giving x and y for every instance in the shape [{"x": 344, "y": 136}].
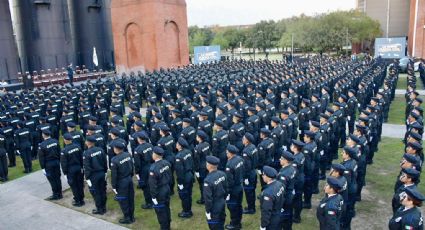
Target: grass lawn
[
  {"x": 377, "y": 197},
  {"x": 397, "y": 109},
  {"x": 17, "y": 171},
  {"x": 402, "y": 82}
]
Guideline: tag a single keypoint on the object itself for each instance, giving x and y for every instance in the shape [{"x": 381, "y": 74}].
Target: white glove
[
  {"x": 208, "y": 215},
  {"x": 137, "y": 176},
  {"x": 197, "y": 174},
  {"x": 180, "y": 186},
  {"x": 155, "y": 202},
  {"x": 259, "y": 172},
  {"x": 17, "y": 152},
  {"x": 89, "y": 183},
  {"x": 115, "y": 191},
  {"x": 44, "y": 172},
  {"x": 322, "y": 153},
  {"x": 246, "y": 182},
  {"x": 261, "y": 228},
  {"x": 349, "y": 118},
  {"x": 285, "y": 148},
  {"x": 228, "y": 197}
]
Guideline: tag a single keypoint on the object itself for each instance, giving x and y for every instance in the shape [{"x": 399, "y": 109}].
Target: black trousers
[
  {"x": 202, "y": 174},
  {"x": 76, "y": 182},
  {"x": 11, "y": 153},
  {"x": 53, "y": 175},
  {"x": 125, "y": 197},
  {"x": 234, "y": 204},
  {"x": 25, "y": 152},
  {"x": 98, "y": 190},
  {"x": 4, "y": 171},
  {"x": 287, "y": 212},
  {"x": 249, "y": 190},
  {"x": 218, "y": 217},
  {"x": 144, "y": 185},
  {"x": 163, "y": 214},
  {"x": 186, "y": 197}
]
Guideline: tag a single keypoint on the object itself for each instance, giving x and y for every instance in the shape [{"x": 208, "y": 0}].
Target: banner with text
[
  {"x": 390, "y": 47},
  {"x": 206, "y": 54}
]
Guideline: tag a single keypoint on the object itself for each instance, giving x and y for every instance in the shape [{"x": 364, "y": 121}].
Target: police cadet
[
  {"x": 95, "y": 168},
  {"x": 337, "y": 171},
  {"x": 351, "y": 110},
  {"x": 236, "y": 132},
  {"x": 214, "y": 194},
  {"x": 272, "y": 199},
  {"x": 348, "y": 156},
  {"x": 121, "y": 180},
  {"x": 310, "y": 154},
  {"x": 234, "y": 176},
  {"x": 219, "y": 143},
  {"x": 201, "y": 151},
  {"x": 166, "y": 142},
  {"x": 72, "y": 167},
  {"x": 188, "y": 133},
  {"x": 205, "y": 125},
  {"x": 299, "y": 160},
  {"x": 159, "y": 185},
  {"x": 408, "y": 216},
  {"x": 4, "y": 171},
  {"x": 142, "y": 163},
  {"x": 266, "y": 150},
  {"x": 330, "y": 207},
  {"x": 250, "y": 157},
  {"x": 409, "y": 178},
  {"x": 253, "y": 123},
  {"x": 77, "y": 137},
  {"x": 114, "y": 135},
  {"x": 286, "y": 176},
  {"x": 277, "y": 136},
  {"x": 304, "y": 117},
  {"x": 23, "y": 146},
  {"x": 7, "y": 132},
  {"x": 49, "y": 158},
  {"x": 184, "y": 174}
]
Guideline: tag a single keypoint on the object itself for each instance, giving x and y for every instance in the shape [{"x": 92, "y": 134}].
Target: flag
[{"x": 95, "y": 61}]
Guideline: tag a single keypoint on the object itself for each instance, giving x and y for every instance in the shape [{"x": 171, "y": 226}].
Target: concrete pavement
[{"x": 23, "y": 206}]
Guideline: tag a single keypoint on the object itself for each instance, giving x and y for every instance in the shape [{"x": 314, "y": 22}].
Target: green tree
[
  {"x": 265, "y": 35},
  {"x": 220, "y": 39}
]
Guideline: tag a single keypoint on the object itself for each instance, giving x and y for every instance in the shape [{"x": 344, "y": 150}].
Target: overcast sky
[{"x": 241, "y": 12}]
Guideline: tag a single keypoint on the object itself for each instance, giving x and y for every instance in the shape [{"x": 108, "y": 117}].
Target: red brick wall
[
  {"x": 420, "y": 29},
  {"x": 149, "y": 34}
]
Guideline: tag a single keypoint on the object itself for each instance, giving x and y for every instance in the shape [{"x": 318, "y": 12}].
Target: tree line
[{"x": 320, "y": 33}]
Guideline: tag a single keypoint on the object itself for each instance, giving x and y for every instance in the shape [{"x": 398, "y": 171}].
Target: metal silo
[
  {"x": 43, "y": 33},
  {"x": 9, "y": 62},
  {"x": 91, "y": 27}
]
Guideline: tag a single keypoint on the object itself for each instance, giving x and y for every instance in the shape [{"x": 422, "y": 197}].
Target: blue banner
[
  {"x": 390, "y": 47},
  {"x": 206, "y": 54}
]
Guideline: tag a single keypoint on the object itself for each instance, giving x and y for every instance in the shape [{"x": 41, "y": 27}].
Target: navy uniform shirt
[
  {"x": 329, "y": 212},
  {"x": 234, "y": 173},
  {"x": 121, "y": 167},
  {"x": 159, "y": 180},
  {"x": 94, "y": 161},
  {"x": 271, "y": 202},
  {"x": 48, "y": 150},
  {"x": 71, "y": 158},
  {"x": 184, "y": 166},
  {"x": 215, "y": 191}
]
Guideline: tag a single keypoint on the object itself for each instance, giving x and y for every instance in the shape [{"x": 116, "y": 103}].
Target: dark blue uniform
[
  {"x": 72, "y": 168},
  {"x": 234, "y": 175},
  {"x": 271, "y": 203},
  {"x": 49, "y": 157},
  {"x": 159, "y": 185},
  {"x": 215, "y": 197},
  {"x": 287, "y": 177},
  {"x": 184, "y": 174},
  {"x": 329, "y": 212},
  {"x": 142, "y": 164}
]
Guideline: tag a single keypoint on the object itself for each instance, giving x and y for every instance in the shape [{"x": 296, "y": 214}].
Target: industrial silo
[
  {"x": 43, "y": 33},
  {"x": 91, "y": 28},
  {"x": 9, "y": 62}
]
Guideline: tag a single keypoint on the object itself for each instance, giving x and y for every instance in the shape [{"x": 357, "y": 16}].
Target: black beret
[
  {"x": 91, "y": 139},
  {"x": 158, "y": 116},
  {"x": 315, "y": 124},
  {"x": 212, "y": 160},
  {"x": 238, "y": 115},
  {"x": 182, "y": 142},
  {"x": 249, "y": 137},
  {"x": 298, "y": 143},
  {"x": 276, "y": 119},
  {"x": 412, "y": 173},
  {"x": 115, "y": 131},
  {"x": 232, "y": 149},
  {"x": 351, "y": 152},
  {"x": 354, "y": 138},
  {"x": 219, "y": 122},
  {"x": 67, "y": 136},
  {"x": 265, "y": 131},
  {"x": 309, "y": 133},
  {"x": 119, "y": 145},
  {"x": 269, "y": 172},
  {"x": 158, "y": 150},
  {"x": 287, "y": 155},
  {"x": 164, "y": 127},
  {"x": 142, "y": 135},
  {"x": 71, "y": 124},
  {"x": 413, "y": 192},
  {"x": 93, "y": 118},
  {"x": 187, "y": 120},
  {"x": 339, "y": 167},
  {"x": 334, "y": 183},
  {"x": 139, "y": 123},
  {"x": 415, "y": 145},
  {"x": 46, "y": 132}
]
